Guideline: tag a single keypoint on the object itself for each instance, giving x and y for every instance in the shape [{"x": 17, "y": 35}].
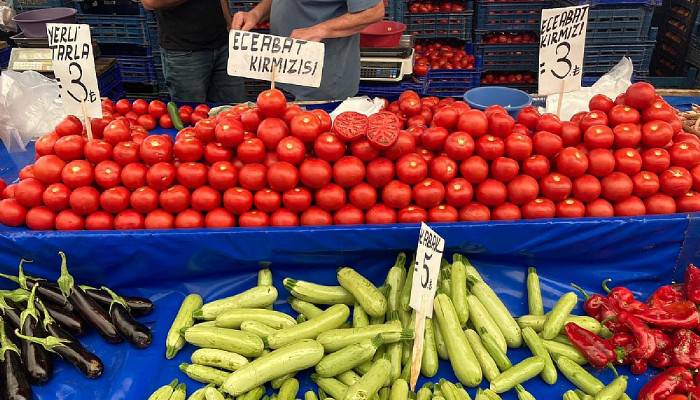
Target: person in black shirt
[{"x": 194, "y": 48}]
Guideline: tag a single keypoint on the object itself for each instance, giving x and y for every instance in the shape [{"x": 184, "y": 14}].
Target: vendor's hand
[
  {"x": 311, "y": 34},
  {"x": 244, "y": 21}
]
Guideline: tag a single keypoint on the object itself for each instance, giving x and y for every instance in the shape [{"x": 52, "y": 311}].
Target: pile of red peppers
[{"x": 659, "y": 333}]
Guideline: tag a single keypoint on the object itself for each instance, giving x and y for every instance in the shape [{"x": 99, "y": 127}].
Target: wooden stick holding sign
[
  {"x": 423, "y": 288},
  {"x": 86, "y": 118},
  {"x": 561, "y": 99}
]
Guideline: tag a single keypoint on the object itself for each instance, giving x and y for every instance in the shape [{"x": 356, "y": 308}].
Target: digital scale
[
  {"x": 387, "y": 64},
  {"x": 34, "y": 54}
]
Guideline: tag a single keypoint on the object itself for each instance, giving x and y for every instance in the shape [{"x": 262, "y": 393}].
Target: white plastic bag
[
  {"x": 30, "y": 107},
  {"x": 7, "y": 13},
  {"x": 363, "y": 105},
  {"x": 616, "y": 81}
]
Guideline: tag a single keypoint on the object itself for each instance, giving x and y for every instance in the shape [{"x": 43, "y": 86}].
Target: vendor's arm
[
  {"x": 160, "y": 4},
  {"x": 361, "y": 13},
  {"x": 246, "y": 20}
]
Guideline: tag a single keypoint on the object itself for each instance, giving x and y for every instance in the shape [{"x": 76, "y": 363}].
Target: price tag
[
  {"x": 423, "y": 288},
  {"x": 426, "y": 269},
  {"x": 562, "y": 43},
  {"x": 74, "y": 68},
  {"x": 256, "y": 55}
]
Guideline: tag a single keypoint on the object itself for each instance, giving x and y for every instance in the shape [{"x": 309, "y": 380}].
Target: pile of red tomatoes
[
  {"x": 427, "y": 7},
  {"x": 422, "y": 159},
  {"x": 441, "y": 54}
]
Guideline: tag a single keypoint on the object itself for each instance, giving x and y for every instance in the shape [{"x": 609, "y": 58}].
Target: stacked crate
[
  {"x": 28, "y": 5},
  {"x": 507, "y": 39},
  {"x": 678, "y": 39}
]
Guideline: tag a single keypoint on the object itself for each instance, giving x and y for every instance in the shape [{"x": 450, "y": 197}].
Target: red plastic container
[{"x": 382, "y": 34}]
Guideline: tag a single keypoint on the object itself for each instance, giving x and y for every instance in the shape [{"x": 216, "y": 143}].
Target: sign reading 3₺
[{"x": 256, "y": 55}]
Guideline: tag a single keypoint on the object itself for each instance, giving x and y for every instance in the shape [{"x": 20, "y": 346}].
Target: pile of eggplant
[{"x": 42, "y": 318}]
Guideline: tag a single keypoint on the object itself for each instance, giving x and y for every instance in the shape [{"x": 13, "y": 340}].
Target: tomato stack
[
  {"x": 441, "y": 54},
  {"x": 422, "y": 159}
]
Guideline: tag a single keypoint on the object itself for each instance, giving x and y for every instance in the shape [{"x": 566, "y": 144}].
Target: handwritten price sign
[
  {"x": 426, "y": 269},
  {"x": 562, "y": 43},
  {"x": 74, "y": 68}
]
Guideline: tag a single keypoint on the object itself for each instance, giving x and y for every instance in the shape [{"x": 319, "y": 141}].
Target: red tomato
[
  {"x": 156, "y": 148},
  {"x": 133, "y": 175},
  {"x": 251, "y": 151},
  {"x": 458, "y": 192},
  {"x": 139, "y": 106},
  {"x": 284, "y": 217},
  {"x": 97, "y": 150},
  {"x": 115, "y": 199},
  {"x": 189, "y": 219},
  {"x": 29, "y": 192},
  {"x": 675, "y": 181},
  {"x": 379, "y": 172},
  {"x": 572, "y": 162},
  {"x": 297, "y": 200},
  {"x": 117, "y": 131},
  {"x": 229, "y": 132},
  {"x": 630, "y": 206},
  {"x": 593, "y": 118},
  {"x": 475, "y": 212},
  {"x": 473, "y": 122},
  {"x": 550, "y": 123},
  {"x": 331, "y": 197},
  {"x": 363, "y": 196},
  {"x": 192, "y": 175},
  {"x": 326, "y": 122},
  {"x": 601, "y": 162},
  {"x": 656, "y": 133},
  {"x": 126, "y": 153},
  {"x": 522, "y": 189},
  {"x": 159, "y": 219},
  {"x": 538, "y": 208},
  {"x": 26, "y": 172},
  {"x": 623, "y": 115},
  {"x": 291, "y": 150},
  {"x": 443, "y": 168},
  {"x": 69, "y": 147},
  {"x": 640, "y": 95},
  {"x": 329, "y": 148},
  {"x": 412, "y": 214},
  {"x": 205, "y": 198},
  {"x": 411, "y": 168},
  {"x": 380, "y": 214},
  {"x": 56, "y": 196},
  {"x": 428, "y": 193},
  {"x": 628, "y": 161},
  {"x": 160, "y": 176},
  {"x": 504, "y": 169},
  {"x": 315, "y": 216},
  {"x": 500, "y": 124},
  {"x": 165, "y": 121},
  {"x": 474, "y": 169},
  {"x": 267, "y": 200},
  {"x": 659, "y": 109},
  {"x": 175, "y": 199},
  {"x": 490, "y": 147},
  {"x": 529, "y": 116},
  {"x": 547, "y": 144},
  {"x": 586, "y": 188},
  {"x": 656, "y": 160},
  {"x": 571, "y": 208},
  {"x": 84, "y": 200},
  {"x": 363, "y": 150},
  {"x": 250, "y": 120},
  {"x": 459, "y": 146},
  {"x": 536, "y": 166},
  {"x": 627, "y": 135},
  {"x": 44, "y": 145},
  {"x": 272, "y": 103},
  {"x": 40, "y": 219},
  {"x": 434, "y": 138},
  {"x": 97, "y": 221},
  {"x": 616, "y": 186},
  {"x": 306, "y": 127},
  {"x": 215, "y": 152},
  {"x": 202, "y": 108},
  {"x": 350, "y": 125},
  {"x": 70, "y": 125},
  {"x": 686, "y": 155},
  {"x": 12, "y": 213},
  {"x": 205, "y": 130},
  {"x": 122, "y": 106},
  {"x": 186, "y": 117},
  {"x": 238, "y": 200},
  {"x": 405, "y": 144},
  {"x": 48, "y": 169},
  {"x": 410, "y": 106},
  {"x": 144, "y": 200},
  {"x": 599, "y": 136},
  {"x": 397, "y": 194},
  {"x": 107, "y": 174},
  {"x": 67, "y": 220},
  {"x": 506, "y": 212},
  {"x": 491, "y": 192},
  {"x": 253, "y": 177},
  {"x": 147, "y": 121},
  {"x": 690, "y": 202},
  {"x": 222, "y": 175},
  {"x": 271, "y": 131},
  {"x": 695, "y": 172},
  {"x": 556, "y": 187},
  {"x": 315, "y": 173},
  {"x": 599, "y": 208},
  {"x": 660, "y": 204},
  {"x": 188, "y": 149},
  {"x": 443, "y": 213},
  {"x": 518, "y": 146},
  {"x": 446, "y": 117},
  {"x": 157, "y": 108},
  {"x": 600, "y": 102}
]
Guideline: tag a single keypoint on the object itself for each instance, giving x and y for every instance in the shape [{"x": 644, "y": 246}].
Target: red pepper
[
  {"x": 598, "y": 351},
  {"x": 594, "y": 304},
  {"x": 662, "y": 340},
  {"x": 686, "y": 349},
  {"x": 692, "y": 283},
  {"x": 666, "y": 383},
  {"x": 622, "y": 298},
  {"x": 644, "y": 343},
  {"x": 694, "y": 393},
  {"x": 622, "y": 339},
  {"x": 661, "y": 360},
  {"x": 638, "y": 366},
  {"x": 667, "y": 294},
  {"x": 679, "y": 315}
]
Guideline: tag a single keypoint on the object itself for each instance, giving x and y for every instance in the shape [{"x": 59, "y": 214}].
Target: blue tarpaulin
[{"x": 641, "y": 253}]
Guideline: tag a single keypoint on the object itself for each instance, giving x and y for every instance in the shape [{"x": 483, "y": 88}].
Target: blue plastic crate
[
  {"x": 137, "y": 70},
  {"x": 242, "y": 5},
  {"x": 390, "y": 90},
  {"x": 599, "y": 59},
  {"x": 506, "y": 57},
  {"x": 5, "y": 57},
  {"x": 509, "y": 16},
  {"x": 594, "y": 3},
  {"x": 693, "y": 57},
  {"x": 153, "y": 34},
  {"x": 611, "y": 22},
  {"x": 111, "y": 7},
  {"x": 440, "y": 25},
  {"x": 452, "y": 83},
  {"x": 672, "y": 82},
  {"x": 27, "y": 5},
  {"x": 116, "y": 29},
  {"x": 109, "y": 78}
]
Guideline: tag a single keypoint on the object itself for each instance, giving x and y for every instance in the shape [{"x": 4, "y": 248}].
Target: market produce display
[
  {"x": 42, "y": 318},
  {"x": 450, "y": 163},
  {"x": 441, "y": 54},
  {"x": 242, "y": 342}
]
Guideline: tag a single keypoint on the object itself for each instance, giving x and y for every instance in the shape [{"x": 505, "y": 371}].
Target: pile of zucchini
[
  {"x": 358, "y": 338},
  {"x": 42, "y": 318}
]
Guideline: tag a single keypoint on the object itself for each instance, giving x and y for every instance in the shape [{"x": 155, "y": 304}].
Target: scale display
[{"x": 30, "y": 59}]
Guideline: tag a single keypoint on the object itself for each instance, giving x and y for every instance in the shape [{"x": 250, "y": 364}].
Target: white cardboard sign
[
  {"x": 256, "y": 55},
  {"x": 74, "y": 68},
  {"x": 562, "y": 43},
  {"x": 426, "y": 269}
]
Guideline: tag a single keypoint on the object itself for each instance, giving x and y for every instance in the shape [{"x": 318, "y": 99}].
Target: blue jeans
[{"x": 200, "y": 76}]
